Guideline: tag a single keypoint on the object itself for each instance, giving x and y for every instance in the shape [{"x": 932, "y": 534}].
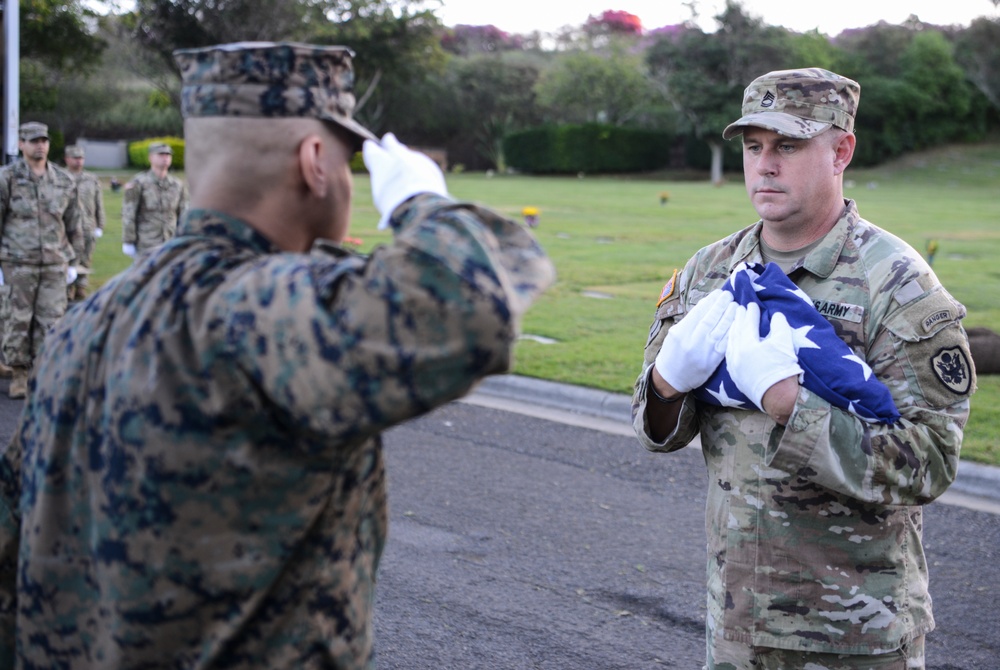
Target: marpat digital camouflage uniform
[
  {"x": 40, "y": 236},
  {"x": 197, "y": 480},
  {"x": 151, "y": 208},
  {"x": 814, "y": 529},
  {"x": 91, "y": 199}
]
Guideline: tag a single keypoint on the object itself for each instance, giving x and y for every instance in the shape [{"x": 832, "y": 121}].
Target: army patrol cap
[
  {"x": 73, "y": 151},
  {"x": 270, "y": 80},
  {"x": 161, "y": 148},
  {"x": 798, "y": 103},
  {"x": 33, "y": 130}
]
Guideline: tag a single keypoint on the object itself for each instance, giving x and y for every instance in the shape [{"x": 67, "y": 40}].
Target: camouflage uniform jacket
[
  {"x": 151, "y": 208},
  {"x": 197, "y": 480},
  {"x": 814, "y": 529},
  {"x": 39, "y": 216},
  {"x": 88, "y": 188}
]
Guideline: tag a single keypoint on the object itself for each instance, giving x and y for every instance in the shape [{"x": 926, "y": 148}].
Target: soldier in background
[
  {"x": 91, "y": 199},
  {"x": 197, "y": 479},
  {"x": 153, "y": 203},
  {"x": 41, "y": 236},
  {"x": 814, "y": 515}
]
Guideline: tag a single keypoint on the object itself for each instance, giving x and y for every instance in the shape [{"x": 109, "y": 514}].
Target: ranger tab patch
[
  {"x": 951, "y": 368},
  {"x": 668, "y": 289}
]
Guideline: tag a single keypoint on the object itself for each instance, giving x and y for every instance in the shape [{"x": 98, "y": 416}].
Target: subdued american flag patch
[{"x": 668, "y": 289}]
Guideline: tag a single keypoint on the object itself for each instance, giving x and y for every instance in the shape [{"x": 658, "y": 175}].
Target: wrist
[{"x": 666, "y": 394}]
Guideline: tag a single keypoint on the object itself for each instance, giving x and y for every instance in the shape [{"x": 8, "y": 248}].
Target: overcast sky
[{"x": 525, "y": 16}]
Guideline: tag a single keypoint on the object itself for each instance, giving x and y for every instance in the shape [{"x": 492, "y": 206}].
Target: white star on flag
[{"x": 865, "y": 368}]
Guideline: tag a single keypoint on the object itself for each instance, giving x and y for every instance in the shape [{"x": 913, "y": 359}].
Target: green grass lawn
[{"x": 615, "y": 245}]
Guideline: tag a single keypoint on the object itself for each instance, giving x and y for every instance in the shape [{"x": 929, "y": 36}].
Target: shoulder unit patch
[{"x": 951, "y": 368}]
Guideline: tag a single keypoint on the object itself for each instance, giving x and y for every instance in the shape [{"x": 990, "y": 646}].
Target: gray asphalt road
[{"x": 519, "y": 542}]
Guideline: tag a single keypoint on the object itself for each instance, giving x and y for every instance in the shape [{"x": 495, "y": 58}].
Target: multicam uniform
[
  {"x": 201, "y": 482},
  {"x": 40, "y": 235},
  {"x": 91, "y": 200},
  {"x": 151, "y": 208},
  {"x": 814, "y": 529}
]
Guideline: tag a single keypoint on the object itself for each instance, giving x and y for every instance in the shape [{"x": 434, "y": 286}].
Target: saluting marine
[{"x": 197, "y": 480}]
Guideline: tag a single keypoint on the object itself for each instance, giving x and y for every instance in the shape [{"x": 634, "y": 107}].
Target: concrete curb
[{"x": 973, "y": 479}]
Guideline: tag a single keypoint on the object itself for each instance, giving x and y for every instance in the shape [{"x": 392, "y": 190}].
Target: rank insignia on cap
[
  {"x": 951, "y": 368},
  {"x": 668, "y": 289}
]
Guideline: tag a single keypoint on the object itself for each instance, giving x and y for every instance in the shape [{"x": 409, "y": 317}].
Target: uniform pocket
[{"x": 5, "y": 292}]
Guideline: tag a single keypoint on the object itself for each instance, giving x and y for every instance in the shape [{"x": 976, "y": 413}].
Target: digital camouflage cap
[
  {"x": 32, "y": 130},
  {"x": 73, "y": 151},
  {"x": 798, "y": 103},
  {"x": 270, "y": 80},
  {"x": 160, "y": 148}
]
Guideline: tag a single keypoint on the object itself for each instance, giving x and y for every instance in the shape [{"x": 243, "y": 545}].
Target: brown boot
[{"x": 18, "y": 383}]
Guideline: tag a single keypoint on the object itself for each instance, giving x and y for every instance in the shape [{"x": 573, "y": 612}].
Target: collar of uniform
[
  {"x": 821, "y": 261},
  {"x": 748, "y": 249},
  {"x": 210, "y": 222},
  {"x": 22, "y": 169}
]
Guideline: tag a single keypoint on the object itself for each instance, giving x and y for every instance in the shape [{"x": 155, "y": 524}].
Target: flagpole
[{"x": 11, "y": 78}]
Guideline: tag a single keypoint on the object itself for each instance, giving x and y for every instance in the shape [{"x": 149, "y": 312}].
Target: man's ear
[
  {"x": 844, "y": 151},
  {"x": 311, "y": 165}
]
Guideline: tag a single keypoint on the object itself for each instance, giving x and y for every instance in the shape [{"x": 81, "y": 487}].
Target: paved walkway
[{"x": 977, "y": 486}]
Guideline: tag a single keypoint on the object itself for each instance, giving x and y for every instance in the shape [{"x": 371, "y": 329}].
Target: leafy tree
[
  {"x": 874, "y": 50},
  {"x": 56, "y": 46},
  {"x": 812, "y": 49},
  {"x": 493, "y": 97},
  {"x": 703, "y": 75},
  {"x": 585, "y": 86},
  {"x": 465, "y": 40},
  {"x": 977, "y": 52},
  {"x": 944, "y": 98},
  {"x": 395, "y": 40},
  {"x": 54, "y": 34},
  {"x": 164, "y": 25},
  {"x": 613, "y": 22}
]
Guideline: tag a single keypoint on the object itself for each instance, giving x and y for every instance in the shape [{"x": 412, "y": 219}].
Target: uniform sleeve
[
  {"x": 99, "y": 215},
  {"x": 4, "y": 199},
  {"x": 182, "y": 203},
  {"x": 73, "y": 223},
  {"x": 921, "y": 352},
  {"x": 130, "y": 210},
  {"x": 349, "y": 346},
  {"x": 670, "y": 310},
  {"x": 10, "y": 533}
]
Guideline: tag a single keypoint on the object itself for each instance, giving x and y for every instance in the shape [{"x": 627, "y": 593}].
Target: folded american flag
[{"x": 830, "y": 368}]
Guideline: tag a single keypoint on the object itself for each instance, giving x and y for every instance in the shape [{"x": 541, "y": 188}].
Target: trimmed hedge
[
  {"x": 138, "y": 152},
  {"x": 590, "y": 148}
]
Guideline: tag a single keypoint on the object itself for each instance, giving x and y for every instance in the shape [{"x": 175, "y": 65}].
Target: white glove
[
  {"x": 71, "y": 274},
  {"x": 695, "y": 346},
  {"x": 398, "y": 174},
  {"x": 98, "y": 233},
  {"x": 757, "y": 364},
  {"x": 1, "y": 277},
  {"x": 129, "y": 250}
]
